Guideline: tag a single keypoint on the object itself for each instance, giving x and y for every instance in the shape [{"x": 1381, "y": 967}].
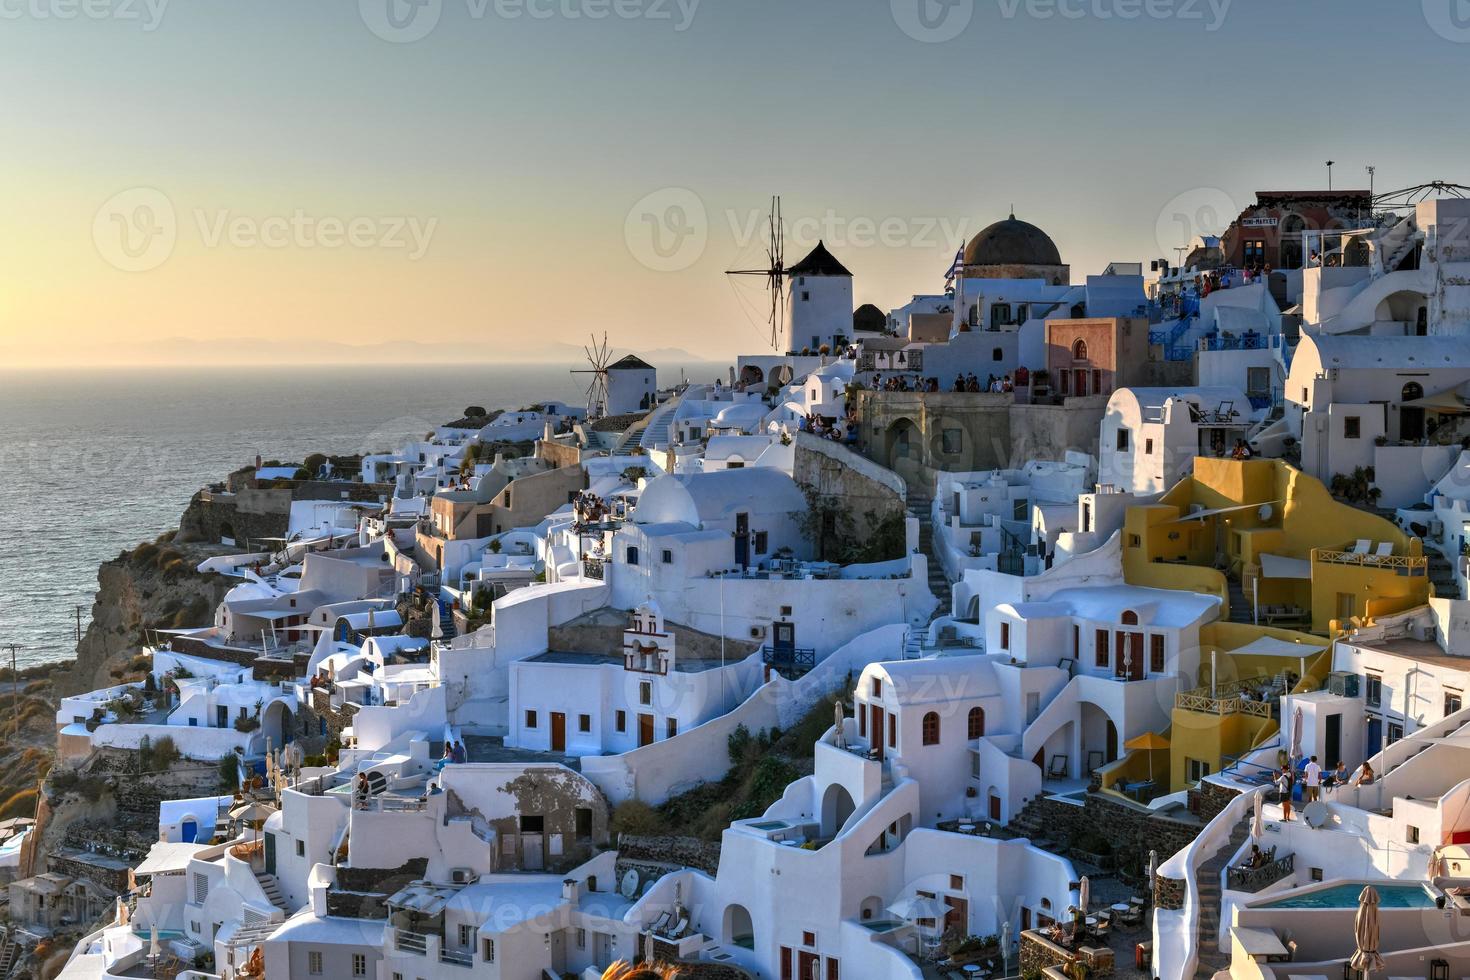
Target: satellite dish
[
  {"x": 629, "y": 885},
  {"x": 1265, "y": 512},
  {"x": 1315, "y": 814}
]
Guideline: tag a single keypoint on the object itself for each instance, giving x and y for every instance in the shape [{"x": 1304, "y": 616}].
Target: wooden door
[
  {"x": 645, "y": 730},
  {"x": 876, "y": 728},
  {"x": 558, "y": 732},
  {"x": 810, "y": 965},
  {"x": 786, "y": 963},
  {"x": 994, "y": 807},
  {"x": 957, "y": 919}
]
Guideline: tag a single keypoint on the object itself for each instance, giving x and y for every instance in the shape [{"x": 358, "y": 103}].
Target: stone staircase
[
  {"x": 938, "y": 582},
  {"x": 10, "y": 955},
  {"x": 1211, "y": 958},
  {"x": 272, "y": 890},
  {"x": 1031, "y": 821},
  {"x": 1442, "y": 575}
]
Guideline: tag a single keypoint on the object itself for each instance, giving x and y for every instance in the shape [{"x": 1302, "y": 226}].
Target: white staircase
[
  {"x": 657, "y": 432},
  {"x": 272, "y": 890}
]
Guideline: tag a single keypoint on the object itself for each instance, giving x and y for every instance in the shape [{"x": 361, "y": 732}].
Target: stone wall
[
  {"x": 867, "y": 493},
  {"x": 1133, "y": 831},
  {"x": 1038, "y": 953},
  {"x": 683, "y": 852},
  {"x": 1168, "y": 893},
  {"x": 362, "y": 893},
  {"x": 1208, "y": 799},
  {"x": 250, "y": 514}
]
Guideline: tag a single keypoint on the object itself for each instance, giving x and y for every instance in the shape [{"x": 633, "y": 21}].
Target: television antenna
[{"x": 774, "y": 272}]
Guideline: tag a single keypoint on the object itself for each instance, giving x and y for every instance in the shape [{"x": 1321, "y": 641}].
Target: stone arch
[
  {"x": 276, "y": 723},
  {"x": 837, "y": 806},
  {"x": 738, "y": 929},
  {"x": 751, "y": 375},
  {"x": 227, "y": 530}
]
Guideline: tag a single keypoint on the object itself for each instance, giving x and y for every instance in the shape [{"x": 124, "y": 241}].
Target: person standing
[
  {"x": 1283, "y": 791},
  {"x": 1314, "y": 780}
]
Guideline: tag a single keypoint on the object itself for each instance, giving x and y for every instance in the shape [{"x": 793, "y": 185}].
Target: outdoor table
[
  {"x": 1120, "y": 906},
  {"x": 967, "y": 828},
  {"x": 972, "y": 969}
]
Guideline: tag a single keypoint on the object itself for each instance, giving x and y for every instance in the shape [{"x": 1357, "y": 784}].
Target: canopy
[
  {"x": 914, "y": 908},
  {"x": 1279, "y": 566},
  {"x": 1270, "y": 646},
  {"x": 251, "y": 812},
  {"x": 1201, "y": 514},
  {"x": 165, "y": 857},
  {"x": 1446, "y": 402},
  {"x": 1148, "y": 742}
]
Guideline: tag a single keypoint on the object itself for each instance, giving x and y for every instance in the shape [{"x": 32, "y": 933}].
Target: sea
[{"x": 93, "y": 462}]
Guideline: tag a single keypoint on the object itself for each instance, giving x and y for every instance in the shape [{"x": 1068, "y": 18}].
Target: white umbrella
[
  {"x": 841, "y": 738},
  {"x": 1258, "y": 819},
  {"x": 1365, "y": 928},
  {"x": 1296, "y": 734},
  {"x": 1005, "y": 946},
  {"x": 437, "y": 632},
  {"x": 153, "y": 940},
  {"x": 913, "y": 909},
  {"x": 1153, "y": 869},
  {"x": 1084, "y": 892}
]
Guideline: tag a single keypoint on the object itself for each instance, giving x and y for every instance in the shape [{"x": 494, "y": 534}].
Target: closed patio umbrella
[
  {"x": 1084, "y": 894},
  {"x": 840, "y": 740},
  {"x": 1296, "y": 734},
  {"x": 1365, "y": 928},
  {"x": 1258, "y": 819}
]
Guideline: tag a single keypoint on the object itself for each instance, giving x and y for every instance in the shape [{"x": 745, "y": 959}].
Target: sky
[{"x": 471, "y": 179}]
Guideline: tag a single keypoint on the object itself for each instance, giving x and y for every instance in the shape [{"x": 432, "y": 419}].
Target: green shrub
[
  {"x": 636, "y": 817},
  {"x": 229, "y": 772}
]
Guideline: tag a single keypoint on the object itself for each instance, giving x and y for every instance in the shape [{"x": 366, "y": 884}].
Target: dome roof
[{"x": 1012, "y": 242}]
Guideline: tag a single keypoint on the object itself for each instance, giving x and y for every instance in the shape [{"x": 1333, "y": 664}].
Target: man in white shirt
[{"x": 1313, "y": 773}]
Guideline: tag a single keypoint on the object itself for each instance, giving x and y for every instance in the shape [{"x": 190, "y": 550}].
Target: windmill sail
[{"x": 775, "y": 272}]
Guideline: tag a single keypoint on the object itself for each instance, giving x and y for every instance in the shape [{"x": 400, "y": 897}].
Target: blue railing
[{"x": 801, "y": 659}]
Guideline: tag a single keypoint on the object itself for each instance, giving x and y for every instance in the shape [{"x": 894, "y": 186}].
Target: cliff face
[{"x": 154, "y": 586}]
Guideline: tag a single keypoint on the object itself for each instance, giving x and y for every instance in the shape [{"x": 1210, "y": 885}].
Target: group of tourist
[
  {"x": 819, "y": 426},
  {"x": 1314, "y": 780},
  {"x": 993, "y": 383},
  {"x": 904, "y": 382}
]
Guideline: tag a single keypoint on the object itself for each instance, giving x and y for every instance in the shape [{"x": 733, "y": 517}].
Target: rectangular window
[
  {"x": 808, "y": 939},
  {"x": 1411, "y": 835},
  {"x": 1258, "y": 381},
  {"x": 301, "y": 848},
  {"x": 489, "y": 950},
  {"x": 1395, "y": 732},
  {"x": 1076, "y": 642},
  {"x": 1352, "y": 427},
  {"x": 466, "y": 935},
  {"x": 359, "y": 964},
  {"x": 1452, "y": 702},
  {"x": 1196, "y": 769},
  {"x": 1122, "y": 440},
  {"x": 632, "y": 555},
  {"x": 785, "y": 610},
  {"x": 645, "y": 692},
  {"x": 314, "y": 963},
  {"x": 877, "y": 687},
  {"x": 581, "y": 938},
  {"x": 584, "y": 723},
  {"x": 1156, "y": 653},
  {"x": 668, "y": 557},
  {"x": 1373, "y": 690},
  {"x": 956, "y": 883},
  {"x": 621, "y": 720},
  {"x": 1100, "y": 649},
  {"x": 761, "y": 542},
  {"x": 1148, "y": 447},
  {"x": 1005, "y": 636},
  {"x": 201, "y": 888},
  {"x": 671, "y": 727},
  {"x": 584, "y": 823},
  {"x": 530, "y": 719},
  {"x": 951, "y": 441},
  {"x": 892, "y": 730}
]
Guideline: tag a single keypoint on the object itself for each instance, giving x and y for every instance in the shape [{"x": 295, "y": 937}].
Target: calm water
[
  {"x": 91, "y": 463},
  {"x": 1346, "y": 897}
]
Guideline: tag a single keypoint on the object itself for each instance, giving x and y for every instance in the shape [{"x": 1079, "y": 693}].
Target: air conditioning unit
[
  {"x": 756, "y": 632},
  {"x": 1343, "y": 684},
  {"x": 1436, "y": 529},
  {"x": 463, "y": 876}
]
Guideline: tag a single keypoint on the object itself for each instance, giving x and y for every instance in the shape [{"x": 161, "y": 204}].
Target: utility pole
[
  {"x": 14, "y": 690},
  {"x": 79, "y": 624}
]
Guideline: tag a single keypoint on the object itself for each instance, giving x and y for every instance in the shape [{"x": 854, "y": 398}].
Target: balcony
[
  {"x": 1400, "y": 564},
  {"x": 1255, "y": 879},
  {"x": 455, "y": 957},
  {"x": 410, "y": 942},
  {"x": 1225, "y": 700},
  {"x": 789, "y": 660}
]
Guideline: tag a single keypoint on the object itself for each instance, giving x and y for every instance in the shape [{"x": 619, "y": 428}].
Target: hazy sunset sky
[{"x": 307, "y": 171}]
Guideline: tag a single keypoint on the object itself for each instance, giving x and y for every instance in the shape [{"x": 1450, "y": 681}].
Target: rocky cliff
[{"x": 154, "y": 586}]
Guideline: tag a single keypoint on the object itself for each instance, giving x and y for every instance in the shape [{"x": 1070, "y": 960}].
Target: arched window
[
  {"x": 931, "y": 728},
  {"x": 1079, "y": 351},
  {"x": 977, "y": 722},
  {"x": 1130, "y": 618}
]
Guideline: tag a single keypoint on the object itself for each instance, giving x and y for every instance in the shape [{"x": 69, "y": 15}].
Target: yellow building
[{"x": 1285, "y": 558}]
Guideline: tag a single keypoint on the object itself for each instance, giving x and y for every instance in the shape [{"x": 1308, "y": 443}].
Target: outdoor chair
[
  {"x": 1361, "y": 546},
  {"x": 1058, "y": 767}
]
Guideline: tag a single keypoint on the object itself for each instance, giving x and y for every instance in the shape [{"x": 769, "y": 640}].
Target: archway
[
  {"x": 904, "y": 444},
  {"x": 837, "y": 806},
  {"x": 738, "y": 929},
  {"x": 275, "y": 723},
  {"x": 870, "y": 908},
  {"x": 1411, "y": 418},
  {"x": 227, "y": 532},
  {"x": 751, "y": 375}
]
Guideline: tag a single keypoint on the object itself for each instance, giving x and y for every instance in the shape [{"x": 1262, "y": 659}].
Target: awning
[
  {"x": 1269, "y": 646},
  {"x": 1201, "y": 514},
  {"x": 165, "y": 857},
  {"x": 1446, "y": 402},
  {"x": 1280, "y": 566}
]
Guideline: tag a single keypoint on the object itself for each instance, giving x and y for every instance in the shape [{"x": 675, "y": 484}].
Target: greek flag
[{"x": 955, "y": 267}]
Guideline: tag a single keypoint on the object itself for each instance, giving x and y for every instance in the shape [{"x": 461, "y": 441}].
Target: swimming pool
[
  {"x": 1346, "y": 897},
  {"x": 882, "y": 925}
]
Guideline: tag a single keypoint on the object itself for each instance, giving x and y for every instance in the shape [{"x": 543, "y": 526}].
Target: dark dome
[
  {"x": 869, "y": 318},
  {"x": 1012, "y": 242}
]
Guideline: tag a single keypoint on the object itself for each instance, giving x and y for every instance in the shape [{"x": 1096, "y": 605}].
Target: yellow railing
[
  {"x": 1204, "y": 703},
  {"x": 1415, "y": 566}
]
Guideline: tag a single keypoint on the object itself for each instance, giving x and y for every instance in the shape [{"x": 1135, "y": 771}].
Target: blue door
[
  {"x": 190, "y": 831},
  {"x": 742, "y": 540},
  {"x": 1375, "y": 738}
]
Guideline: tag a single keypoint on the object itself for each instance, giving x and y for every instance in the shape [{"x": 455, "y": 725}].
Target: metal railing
[
  {"x": 410, "y": 942},
  {"x": 796, "y": 658},
  {"x": 1255, "y": 879},
  {"x": 455, "y": 957}
]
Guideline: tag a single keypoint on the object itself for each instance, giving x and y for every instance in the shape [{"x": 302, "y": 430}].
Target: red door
[
  {"x": 786, "y": 963},
  {"x": 877, "y": 729}
]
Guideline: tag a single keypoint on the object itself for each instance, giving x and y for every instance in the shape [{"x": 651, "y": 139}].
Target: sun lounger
[{"x": 1361, "y": 546}]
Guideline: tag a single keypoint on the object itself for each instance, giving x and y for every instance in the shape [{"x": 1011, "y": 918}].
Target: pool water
[
  {"x": 882, "y": 925},
  {"x": 1346, "y": 897},
  {"x": 768, "y": 825}
]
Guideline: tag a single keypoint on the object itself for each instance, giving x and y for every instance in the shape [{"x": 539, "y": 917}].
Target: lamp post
[{"x": 1329, "y": 173}]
